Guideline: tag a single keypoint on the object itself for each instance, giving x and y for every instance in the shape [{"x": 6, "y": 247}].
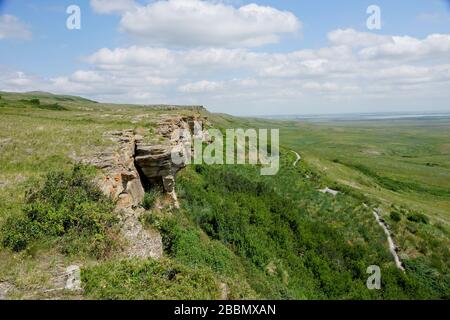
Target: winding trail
[
  {"x": 298, "y": 157},
  {"x": 376, "y": 212},
  {"x": 392, "y": 246}
]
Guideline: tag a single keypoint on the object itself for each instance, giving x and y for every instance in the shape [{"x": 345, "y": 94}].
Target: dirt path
[
  {"x": 392, "y": 246},
  {"x": 298, "y": 157}
]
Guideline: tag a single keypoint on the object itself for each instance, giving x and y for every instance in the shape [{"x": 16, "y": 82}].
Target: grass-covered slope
[
  {"x": 268, "y": 238},
  {"x": 296, "y": 243},
  {"x": 237, "y": 235}
]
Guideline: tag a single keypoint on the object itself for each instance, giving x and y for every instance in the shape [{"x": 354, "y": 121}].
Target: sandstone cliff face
[
  {"x": 131, "y": 166},
  {"x": 155, "y": 161},
  {"x": 121, "y": 181}
]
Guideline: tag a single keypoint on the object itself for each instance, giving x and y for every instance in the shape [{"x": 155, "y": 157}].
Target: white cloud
[
  {"x": 15, "y": 80},
  {"x": 191, "y": 23},
  {"x": 245, "y": 82},
  {"x": 12, "y": 28},
  {"x": 19, "y": 79},
  {"x": 165, "y": 61},
  {"x": 113, "y": 6},
  {"x": 353, "y": 38},
  {"x": 200, "y": 87},
  {"x": 410, "y": 48},
  {"x": 87, "y": 76}
]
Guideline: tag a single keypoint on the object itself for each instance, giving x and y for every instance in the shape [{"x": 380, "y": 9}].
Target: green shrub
[
  {"x": 418, "y": 218},
  {"x": 428, "y": 280},
  {"x": 149, "y": 199},
  {"x": 54, "y": 106},
  {"x": 66, "y": 207},
  {"x": 18, "y": 232},
  {"x": 148, "y": 280},
  {"x": 395, "y": 216},
  {"x": 290, "y": 239},
  {"x": 150, "y": 219},
  {"x": 36, "y": 103}
]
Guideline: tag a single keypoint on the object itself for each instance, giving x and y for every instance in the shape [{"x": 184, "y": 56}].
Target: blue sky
[{"x": 286, "y": 64}]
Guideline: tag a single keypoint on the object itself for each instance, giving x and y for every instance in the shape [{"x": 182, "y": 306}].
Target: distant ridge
[
  {"x": 44, "y": 94},
  {"x": 68, "y": 98}
]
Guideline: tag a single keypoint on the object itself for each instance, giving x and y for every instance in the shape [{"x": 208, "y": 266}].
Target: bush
[
  {"x": 66, "y": 207},
  {"x": 418, "y": 218},
  {"x": 395, "y": 216},
  {"x": 54, "y": 106},
  {"x": 18, "y": 232},
  {"x": 148, "y": 280},
  {"x": 149, "y": 199},
  {"x": 428, "y": 280},
  {"x": 35, "y": 102}
]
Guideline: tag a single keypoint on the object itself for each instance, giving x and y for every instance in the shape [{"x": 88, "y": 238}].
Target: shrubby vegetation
[
  {"x": 294, "y": 243},
  {"x": 66, "y": 208},
  {"x": 149, "y": 199},
  {"x": 418, "y": 218},
  {"x": 261, "y": 237},
  {"x": 53, "y": 106},
  {"x": 188, "y": 245},
  {"x": 395, "y": 216},
  {"x": 36, "y": 103},
  {"x": 148, "y": 279}
]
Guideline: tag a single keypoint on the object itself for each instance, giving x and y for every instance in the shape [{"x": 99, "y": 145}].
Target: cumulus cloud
[
  {"x": 12, "y": 28},
  {"x": 378, "y": 71},
  {"x": 16, "y": 80},
  {"x": 87, "y": 76},
  {"x": 353, "y": 38},
  {"x": 200, "y": 87},
  {"x": 203, "y": 23},
  {"x": 410, "y": 48}
]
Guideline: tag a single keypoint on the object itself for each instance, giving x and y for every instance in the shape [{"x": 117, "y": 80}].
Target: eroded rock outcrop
[
  {"x": 122, "y": 182},
  {"x": 155, "y": 160},
  {"x": 130, "y": 166}
]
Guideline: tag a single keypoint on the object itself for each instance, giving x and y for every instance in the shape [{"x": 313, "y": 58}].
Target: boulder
[{"x": 73, "y": 282}]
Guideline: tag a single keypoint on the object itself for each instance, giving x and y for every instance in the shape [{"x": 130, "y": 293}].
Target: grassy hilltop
[{"x": 237, "y": 234}]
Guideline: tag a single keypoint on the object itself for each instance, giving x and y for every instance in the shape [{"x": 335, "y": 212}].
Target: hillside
[{"x": 213, "y": 232}]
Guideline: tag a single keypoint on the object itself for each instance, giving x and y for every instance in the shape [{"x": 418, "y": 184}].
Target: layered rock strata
[
  {"x": 132, "y": 166},
  {"x": 155, "y": 161},
  {"x": 121, "y": 181}
]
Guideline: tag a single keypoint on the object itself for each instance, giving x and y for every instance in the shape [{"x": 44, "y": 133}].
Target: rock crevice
[
  {"x": 155, "y": 162},
  {"x": 121, "y": 181},
  {"x": 131, "y": 167}
]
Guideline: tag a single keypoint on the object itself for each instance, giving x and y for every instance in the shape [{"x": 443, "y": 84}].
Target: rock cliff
[
  {"x": 131, "y": 166},
  {"x": 155, "y": 161}
]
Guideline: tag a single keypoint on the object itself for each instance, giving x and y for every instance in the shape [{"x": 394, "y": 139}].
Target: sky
[{"x": 261, "y": 57}]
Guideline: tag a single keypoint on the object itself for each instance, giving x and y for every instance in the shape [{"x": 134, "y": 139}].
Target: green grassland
[
  {"x": 238, "y": 232},
  {"x": 406, "y": 161},
  {"x": 403, "y": 164}
]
